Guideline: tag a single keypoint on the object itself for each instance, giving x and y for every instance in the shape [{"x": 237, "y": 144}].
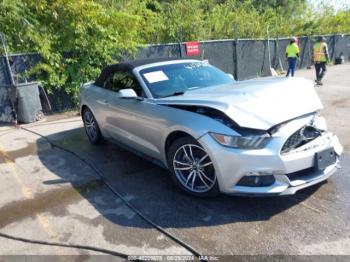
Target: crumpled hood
[{"x": 258, "y": 104}]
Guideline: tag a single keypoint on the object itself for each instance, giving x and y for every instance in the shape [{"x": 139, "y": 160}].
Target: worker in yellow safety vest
[
  {"x": 292, "y": 54},
  {"x": 320, "y": 58}
]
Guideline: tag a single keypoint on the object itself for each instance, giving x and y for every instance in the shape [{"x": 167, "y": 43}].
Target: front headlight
[
  {"x": 242, "y": 142},
  {"x": 319, "y": 122}
]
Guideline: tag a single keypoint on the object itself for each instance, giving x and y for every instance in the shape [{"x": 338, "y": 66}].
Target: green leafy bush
[{"x": 75, "y": 38}]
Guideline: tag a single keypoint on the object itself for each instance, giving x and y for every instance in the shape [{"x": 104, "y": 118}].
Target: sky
[{"x": 337, "y": 4}]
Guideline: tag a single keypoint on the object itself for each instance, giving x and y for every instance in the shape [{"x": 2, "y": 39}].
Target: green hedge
[{"x": 77, "y": 37}]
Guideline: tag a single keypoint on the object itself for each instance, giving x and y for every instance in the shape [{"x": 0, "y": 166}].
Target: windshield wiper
[{"x": 175, "y": 94}]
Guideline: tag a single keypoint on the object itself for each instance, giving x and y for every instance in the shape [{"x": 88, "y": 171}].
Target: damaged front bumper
[{"x": 290, "y": 172}]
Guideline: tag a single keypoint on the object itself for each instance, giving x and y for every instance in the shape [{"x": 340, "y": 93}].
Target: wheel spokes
[
  {"x": 189, "y": 177},
  {"x": 186, "y": 155},
  {"x": 191, "y": 153},
  {"x": 190, "y": 164},
  {"x": 202, "y": 159},
  {"x": 193, "y": 178},
  {"x": 201, "y": 178},
  {"x": 182, "y": 163},
  {"x": 206, "y": 164},
  {"x": 90, "y": 124},
  {"x": 183, "y": 168},
  {"x": 205, "y": 176}
]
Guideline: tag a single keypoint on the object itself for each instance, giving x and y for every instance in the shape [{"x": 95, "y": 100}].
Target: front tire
[
  {"x": 191, "y": 168},
  {"x": 91, "y": 127}
]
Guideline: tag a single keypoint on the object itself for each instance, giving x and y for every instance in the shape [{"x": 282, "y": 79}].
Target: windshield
[{"x": 174, "y": 79}]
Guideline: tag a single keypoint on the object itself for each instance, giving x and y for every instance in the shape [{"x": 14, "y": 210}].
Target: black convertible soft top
[{"x": 128, "y": 67}]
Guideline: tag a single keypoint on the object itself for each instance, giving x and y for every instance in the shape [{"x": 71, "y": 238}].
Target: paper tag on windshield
[{"x": 155, "y": 76}]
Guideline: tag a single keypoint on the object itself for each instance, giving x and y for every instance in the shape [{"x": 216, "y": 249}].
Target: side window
[{"x": 122, "y": 80}]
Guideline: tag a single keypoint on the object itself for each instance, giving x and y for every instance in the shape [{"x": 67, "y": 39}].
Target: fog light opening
[{"x": 254, "y": 179}]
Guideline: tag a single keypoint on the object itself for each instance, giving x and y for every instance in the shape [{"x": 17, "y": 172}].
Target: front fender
[{"x": 193, "y": 124}]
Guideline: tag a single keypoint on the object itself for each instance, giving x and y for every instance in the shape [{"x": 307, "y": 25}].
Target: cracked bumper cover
[{"x": 233, "y": 164}]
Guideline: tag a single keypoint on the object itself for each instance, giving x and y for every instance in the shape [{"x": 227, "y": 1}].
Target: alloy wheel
[
  {"x": 194, "y": 168},
  {"x": 90, "y": 125}
]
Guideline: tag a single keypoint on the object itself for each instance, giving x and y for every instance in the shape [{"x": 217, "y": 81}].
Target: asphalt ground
[{"x": 49, "y": 194}]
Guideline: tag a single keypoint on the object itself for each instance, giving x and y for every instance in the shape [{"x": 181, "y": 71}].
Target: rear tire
[
  {"x": 91, "y": 127},
  {"x": 191, "y": 168}
]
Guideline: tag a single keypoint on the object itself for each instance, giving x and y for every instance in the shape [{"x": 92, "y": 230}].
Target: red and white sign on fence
[{"x": 192, "y": 48}]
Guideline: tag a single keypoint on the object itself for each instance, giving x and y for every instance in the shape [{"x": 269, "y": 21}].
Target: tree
[
  {"x": 286, "y": 7},
  {"x": 75, "y": 38}
]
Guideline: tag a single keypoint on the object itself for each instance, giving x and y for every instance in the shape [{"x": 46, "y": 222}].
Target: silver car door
[
  {"x": 124, "y": 118},
  {"x": 136, "y": 124}
]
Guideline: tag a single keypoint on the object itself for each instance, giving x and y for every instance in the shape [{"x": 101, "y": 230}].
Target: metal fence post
[
  {"x": 333, "y": 54},
  {"x": 311, "y": 51},
  {"x": 278, "y": 53},
  {"x": 235, "y": 55},
  {"x": 180, "y": 49},
  {"x": 235, "y": 58}
]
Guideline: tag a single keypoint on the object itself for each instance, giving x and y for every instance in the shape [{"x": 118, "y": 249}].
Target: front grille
[{"x": 300, "y": 137}]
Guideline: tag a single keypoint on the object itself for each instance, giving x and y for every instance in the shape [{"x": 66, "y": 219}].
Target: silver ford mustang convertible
[{"x": 255, "y": 137}]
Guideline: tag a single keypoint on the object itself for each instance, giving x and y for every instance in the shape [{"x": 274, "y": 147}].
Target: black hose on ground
[
  {"x": 57, "y": 244},
  {"x": 49, "y": 243},
  {"x": 114, "y": 191}
]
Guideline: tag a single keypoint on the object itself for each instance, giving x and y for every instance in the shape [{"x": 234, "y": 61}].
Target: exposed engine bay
[
  {"x": 209, "y": 112},
  {"x": 220, "y": 117},
  {"x": 299, "y": 138}
]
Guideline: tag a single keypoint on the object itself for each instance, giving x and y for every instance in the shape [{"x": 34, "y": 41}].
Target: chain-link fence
[{"x": 243, "y": 58}]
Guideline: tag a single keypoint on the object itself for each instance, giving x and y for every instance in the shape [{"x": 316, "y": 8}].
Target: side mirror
[{"x": 127, "y": 93}]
